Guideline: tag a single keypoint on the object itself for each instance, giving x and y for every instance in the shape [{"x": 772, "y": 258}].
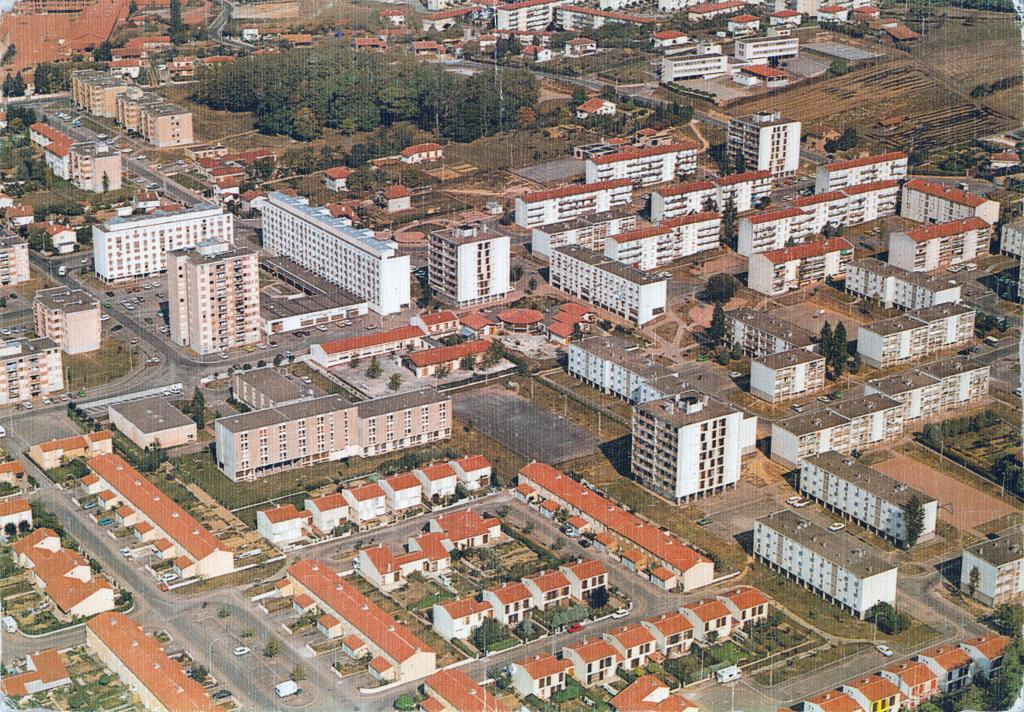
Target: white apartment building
[
  {"x": 773, "y": 230},
  {"x": 872, "y": 499},
  {"x": 916, "y": 334},
  {"x": 779, "y": 271},
  {"x": 890, "y": 286},
  {"x": 579, "y": 18},
  {"x": 652, "y": 247},
  {"x": 1011, "y": 240},
  {"x": 929, "y": 248},
  {"x": 137, "y": 245},
  {"x": 70, "y": 317},
  {"x": 929, "y": 202},
  {"x": 867, "y": 169},
  {"x": 690, "y": 444},
  {"x": 762, "y": 50},
  {"x": 835, "y": 565},
  {"x": 213, "y": 295},
  {"x": 767, "y": 142},
  {"x": 844, "y": 425},
  {"x": 684, "y": 66},
  {"x": 1000, "y": 566},
  {"x": 644, "y": 166},
  {"x": 469, "y": 265},
  {"x": 588, "y": 231},
  {"x": 785, "y": 375},
  {"x": 572, "y": 201},
  {"x": 330, "y": 247},
  {"x": 745, "y": 190},
  {"x": 759, "y": 333},
  {"x": 622, "y": 368},
  {"x": 527, "y": 16},
  {"x": 608, "y": 284},
  {"x": 29, "y": 368},
  {"x": 853, "y": 205},
  {"x": 936, "y": 388},
  {"x": 14, "y": 265}
]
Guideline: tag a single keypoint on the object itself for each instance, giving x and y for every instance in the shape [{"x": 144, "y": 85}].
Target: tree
[
  {"x": 177, "y": 27},
  {"x": 973, "y": 579},
  {"x": 729, "y": 217},
  {"x": 532, "y": 284},
  {"x": 103, "y": 52},
  {"x": 14, "y": 85},
  {"x": 826, "y": 343},
  {"x": 1008, "y": 619},
  {"x": 720, "y": 288},
  {"x": 10, "y": 529},
  {"x": 839, "y": 67},
  {"x": 395, "y": 382},
  {"x": 443, "y": 371},
  {"x": 197, "y": 408},
  {"x": 374, "y": 370},
  {"x": 468, "y": 363},
  {"x": 405, "y": 701},
  {"x": 106, "y": 182},
  {"x": 24, "y": 526},
  {"x": 598, "y": 598},
  {"x": 272, "y": 648},
  {"x": 840, "y": 349},
  {"x": 515, "y": 273},
  {"x": 716, "y": 332},
  {"x": 299, "y": 673},
  {"x": 9, "y": 54},
  {"x": 887, "y": 619},
  {"x": 913, "y": 516},
  {"x": 526, "y": 118},
  {"x": 489, "y": 632}
]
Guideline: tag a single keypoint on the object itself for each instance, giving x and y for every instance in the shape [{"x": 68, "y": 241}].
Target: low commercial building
[
  {"x": 653, "y": 247},
  {"x": 926, "y": 249},
  {"x": 759, "y": 333},
  {"x": 70, "y": 317},
  {"x": 643, "y": 165},
  {"x": 138, "y": 659},
  {"x": 866, "y": 169},
  {"x": 999, "y": 564},
  {"x": 54, "y": 453},
  {"x": 845, "y": 425},
  {"x": 703, "y": 64},
  {"x": 763, "y": 50},
  {"x": 29, "y": 368},
  {"x": 469, "y": 265},
  {"x": 779, "y": 271},
  {"x": 367, "y": 346},
  {"x": 786, "y": 375},
  {"x": 560, "y": 204},
  {"x": 400, "y": 655},
  {"x": 936, "y": 388},
  {"x": 890, "y": 286},
  {"x": 872, "y": 499},
  {"x": 930, "y": 202},
  {"x": 915, "y": 334},
  {"x": 14, "y": 265},
  {"x": 608, "y": 284},
  {"x": 152, "y": 422},
  {"x": 194, "y": 550},
  {"x": 835, "y": 565},
  {"x": 318, "y": 302},
  {"x": 589, "y": 231},
  {"x": 63, "y": 575},
  {"x": 689, "y": 445}
]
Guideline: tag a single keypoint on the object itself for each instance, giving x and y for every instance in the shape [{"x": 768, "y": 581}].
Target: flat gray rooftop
[{"x": 838, "y": 49}]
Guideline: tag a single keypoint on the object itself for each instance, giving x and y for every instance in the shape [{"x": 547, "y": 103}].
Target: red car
[{"x": 575, "y": 628}]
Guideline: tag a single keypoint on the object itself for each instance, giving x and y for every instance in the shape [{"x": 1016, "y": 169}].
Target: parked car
[
  {"x": 168, "y": 577},
  {"x": 106, "y": 521},
  {"x": 221, "y": 694},
  {"x": 621, "y": 613},
  {"x": 801, "y": 503},
  {"x": 241, "y": 650},
  {"x": 794, "y": 499},
  {"x": 836, "y": 526},
  {"x": 126, "y": 552},
  {"x": 575, "y": 627},
  {"x": 884, "y": 650}
]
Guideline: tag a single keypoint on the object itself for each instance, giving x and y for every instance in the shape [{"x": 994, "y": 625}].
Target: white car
[
  {"x": 167, "y": 578},
  {"x": 105, "y": 317},
  {"x": 794, "y": 499},
  {"x": 621, "y": 613},
  {"x": 261, "y": 346},
  {"x": 884, "y": 650},
  {"x": 836, "y": 526},
  {"x": 801, "y": 503},
  {"x": 321, "y": 327},
  {"x": 241, "y": 650},
  {"x": 126, "y": 552}
]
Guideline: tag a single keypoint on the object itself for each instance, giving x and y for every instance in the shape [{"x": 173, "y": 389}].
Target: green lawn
[{"x": 95, "y": 368}]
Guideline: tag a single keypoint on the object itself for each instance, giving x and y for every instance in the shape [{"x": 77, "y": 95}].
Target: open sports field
[{"x": 970, "y": 507}]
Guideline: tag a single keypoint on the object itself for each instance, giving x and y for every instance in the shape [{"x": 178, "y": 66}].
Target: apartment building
[
  {"x": 870, "y": 201},
  {"x": 213, "y": 295},
  {"x": 929, "y": 202},
  {"x": 690, "y": 444},
  {"x": 527, "y": 16},
  {"x": 580, "y": 18},
  {"x": 780, "y": 271},
  {"x": 622, "y": 368},
  {"x": 589, "y": 231},
  {"x": 161, "y": 123},
  {"x": 398, "y": 654},
  {"x": 348, "y": 257},
  {"x": 572, "y": 201},
  {"x": 844, "y": 425},
  {"x": 703, "y": 64},
  {"x": 926, "y": 249},
  {"x": 608, "y": 284},
  {"x": 773, "y": 230},
  {"x": 766, "y": 141},
  {"x": 867, "y": 169},
  {"x": 643, "y": 165},
  {"x": 1000, "y": 566},
  {"x": 872, "y": 499},
  {"x": 785, "y": 375},
  {"x": 915, "y": 334},
  {"x": 139, "y": 660},
  {"x": 70, "y": 317},
  {"x": 744, "y": 190},
  {"x": 763, "y": 50},
  {"x": 951, "y": 383},
  {"x": 29, "y": 368},
  {"x": 469, "y": 265},
  {"x": 1011, "y": 239},
  {"x": 95, "y": 167},
  {"x": 541, "y": 481},
  {"x": 96, "y": 92},
  {"x": 835, "y": 565},
  {"x": 152, "y": 422},
  {"x": 157, "y": 518},
  {"x": 266, "y": 387},
  {"x": 890, "y": 286},
  {"x": 14, "y": 265},
  {"x": 652, "y": 247},
  {"x": 137, "y": 245},
  {"x": 260, "y": 442},
  {"x": 759, "y": 333}
]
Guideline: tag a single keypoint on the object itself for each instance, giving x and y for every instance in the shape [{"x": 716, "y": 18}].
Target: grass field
[{"x": 94, "y": 368}]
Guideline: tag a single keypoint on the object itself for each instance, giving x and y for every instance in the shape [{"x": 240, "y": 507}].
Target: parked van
[
  {"x": 10, "y": 625},
  {"x": 286, "y": 688},
  {"x": 729, "y": 674}
]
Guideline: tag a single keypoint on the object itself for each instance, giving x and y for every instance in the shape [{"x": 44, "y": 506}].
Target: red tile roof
[
  {"x": 577, "y": 189},
  {"x": 520, "y": 317},
  {"x": 593, "y": 650},
  {"x": 743, "y": 177},
  {"x": 352, "y": 343},
  {"x": 772, "y": 215},
  {"x": 285, "y": 513},
  {"x": 338, "y": 172},
  {"x": 912, "y": 673},
  {"x": 746, "y": 597},
  {"x": 541, "y": 666},
  {"x": 709, "y": 610},
  {"x": 874, "y": 687},
  {"x": 866, "y": 161},
  {"x": 441, "y": 317},
  {"x": 807, "y": 250},
  {"x": 14, "y": 506},
  {"x": 465, "y": 524},
  {"x": 954, "y": 227},
  {"x": 440, "y": 471},
  {"x": 634, "y": 153},
  {"x": 447, "y": 354},
  {"x": 464, "y": 607},
  {"x": 461, "y": 693},
  {"x": 511, "y": 592},
  {"x": 990, "y": 645}
]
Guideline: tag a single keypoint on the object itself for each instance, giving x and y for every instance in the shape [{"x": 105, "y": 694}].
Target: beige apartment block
[
  {"x": 213, "y": 294},
  {"x": 152, "y": 422},
  {"x": 785, "y": 375},
  {"x": 70, "y": 317},
  {"x": 29, "y": 368},
  {"x": 14, "y": 266},
  {"x": 166, "y": 124},
  {"x": 95, "y": 167},
  {"x": 97, "y": 92}
]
